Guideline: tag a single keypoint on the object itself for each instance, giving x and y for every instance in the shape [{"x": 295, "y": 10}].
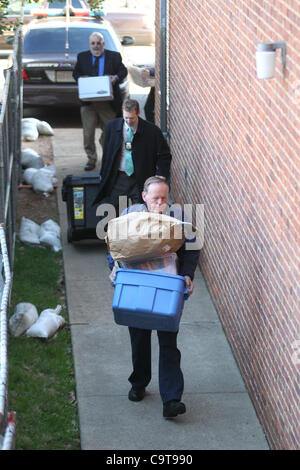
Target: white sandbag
[
  {"x": 42, "y": 181},
  {"x": 51, "y": 168},
  {"x": 31, "y": 159},
  {"x": 29, "y": 130},
  {"x": 25, "y": 315},
  {"x": 29, "y": 172},
  {"x": 49, "y": 239},
  {"x": 44, "y": 128},
  {"x": 34, "y": 121},
  {"x": 29, "y": 232},
  {"x": 47, "y": 324},
  {"x": 28, "y": 175},
  {"x": 50, "y": 235},
  {"x": 50, "y": 226}
]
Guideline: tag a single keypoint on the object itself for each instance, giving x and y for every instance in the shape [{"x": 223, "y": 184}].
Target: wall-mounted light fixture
[{"x": 265, "y": 58}]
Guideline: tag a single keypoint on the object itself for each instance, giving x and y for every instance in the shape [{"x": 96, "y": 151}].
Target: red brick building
[{"x": 235, "y": 145}]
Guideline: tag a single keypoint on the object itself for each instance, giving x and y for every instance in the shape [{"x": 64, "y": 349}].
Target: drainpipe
[{"x": 163, "y": 67}]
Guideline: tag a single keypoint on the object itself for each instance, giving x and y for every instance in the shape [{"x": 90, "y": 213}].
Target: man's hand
[
  {"x": 113, "y": 79},
  {"x": 145, "y": 73},
  {"x": 112, "y": 275},
  {"x": 189, "y": 284}
]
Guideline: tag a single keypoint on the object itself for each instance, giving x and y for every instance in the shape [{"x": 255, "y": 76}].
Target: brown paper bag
[{"x": 143, "y": 235}]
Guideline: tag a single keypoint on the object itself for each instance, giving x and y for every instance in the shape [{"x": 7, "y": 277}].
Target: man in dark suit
[
  {"x": 134, "y": 150},
  {"x": 171, "y": 380},
  {"x": 99, "y": 61}
]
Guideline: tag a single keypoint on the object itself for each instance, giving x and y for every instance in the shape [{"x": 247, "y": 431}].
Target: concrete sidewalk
[{"x": 219, "y": 413}]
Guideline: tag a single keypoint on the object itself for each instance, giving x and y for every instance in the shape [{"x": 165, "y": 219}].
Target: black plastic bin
[{"x": 79, "y": 192}]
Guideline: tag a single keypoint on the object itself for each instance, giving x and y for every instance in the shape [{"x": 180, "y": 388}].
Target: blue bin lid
[
  {"x": 150, "y": 278},
  {"x": 153, "y": 273}
]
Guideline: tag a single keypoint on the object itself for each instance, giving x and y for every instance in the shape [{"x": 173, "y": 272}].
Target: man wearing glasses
[{"x": 99, "y": 61}]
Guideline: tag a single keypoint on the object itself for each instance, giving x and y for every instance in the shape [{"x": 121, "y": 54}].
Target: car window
[
  {"x": 57, "y": 4},
  {"x": 50, "y": 40}
]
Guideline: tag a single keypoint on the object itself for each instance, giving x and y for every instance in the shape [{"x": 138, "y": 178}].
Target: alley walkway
[{"x": 219, "y": 414}]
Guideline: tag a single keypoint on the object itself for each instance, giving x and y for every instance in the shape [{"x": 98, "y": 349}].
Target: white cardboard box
[
  {"x": 135, "y": 73},
  {"x": 95, "y": 88}
]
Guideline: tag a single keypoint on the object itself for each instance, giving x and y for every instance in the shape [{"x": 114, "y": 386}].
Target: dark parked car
[
  {"x": 50, "y": 53},
  {"x": 33, "y": 10}
]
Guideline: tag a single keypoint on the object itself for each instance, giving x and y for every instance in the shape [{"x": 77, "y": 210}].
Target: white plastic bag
[
  {"x": 42, "y": 181},
  {"x": 44, "y": 128},
  {"x": 25, "y": 315},
  {"x": 31, "y": 159},
  {"x": 49, "y": 239},
  {"x": 51, "y": 168},
  {"x": 28, "y": 175},
  {"x": 29, "y": 232},
  {"x": 50, "y": 226},
  {"x": 34, "y": 121},
  {"x": 50, "y": 235},
  {"x": 29, "y": 129},
  {"x": 163, "y": 264},
  {"x": 32, "y": 128},
  {"x": 47, "y": 324}
]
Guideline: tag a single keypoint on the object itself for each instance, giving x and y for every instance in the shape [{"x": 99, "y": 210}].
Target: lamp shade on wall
[
  {"x": 265, "y": 64},
  {"x": 265, "y": 58}
]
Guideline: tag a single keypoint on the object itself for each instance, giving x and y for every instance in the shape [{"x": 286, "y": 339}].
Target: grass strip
[{"x": 41, "y": 382}]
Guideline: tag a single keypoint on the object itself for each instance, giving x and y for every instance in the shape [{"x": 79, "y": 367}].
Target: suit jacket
[
  {"x": 113, "y": 65},
  {"x": 150, "y": 154}
]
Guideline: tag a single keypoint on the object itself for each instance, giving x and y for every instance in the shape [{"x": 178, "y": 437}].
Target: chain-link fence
[
  {"x": 10, "y": 156},
  {"x": 10, "y": 144}
]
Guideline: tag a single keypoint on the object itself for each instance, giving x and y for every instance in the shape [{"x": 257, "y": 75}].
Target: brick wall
[{"x": 235, "y": 146}]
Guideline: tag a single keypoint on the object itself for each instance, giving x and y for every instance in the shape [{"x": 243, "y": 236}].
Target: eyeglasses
[{"x": 96, "y": 43}]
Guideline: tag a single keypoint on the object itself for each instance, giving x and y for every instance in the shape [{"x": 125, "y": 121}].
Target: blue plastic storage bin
[{"x": 148, "y": 299}]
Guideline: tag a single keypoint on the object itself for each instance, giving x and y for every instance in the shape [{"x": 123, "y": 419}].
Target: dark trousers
[
  {"x": 171, "y": 381},
  {"x": 149, "y": 105},
  {"x": 125, "y": 186}
]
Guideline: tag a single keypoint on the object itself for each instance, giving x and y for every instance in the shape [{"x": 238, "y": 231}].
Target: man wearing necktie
[
  {"x": 99, "y": 61},
  {"x": 134, "y": 150}
]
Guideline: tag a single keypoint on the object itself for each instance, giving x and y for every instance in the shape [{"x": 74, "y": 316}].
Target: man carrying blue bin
[{"x": 171, "y": 382}]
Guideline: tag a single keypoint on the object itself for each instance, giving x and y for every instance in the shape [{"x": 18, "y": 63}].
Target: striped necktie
[{"x": 129, "y": 168}]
